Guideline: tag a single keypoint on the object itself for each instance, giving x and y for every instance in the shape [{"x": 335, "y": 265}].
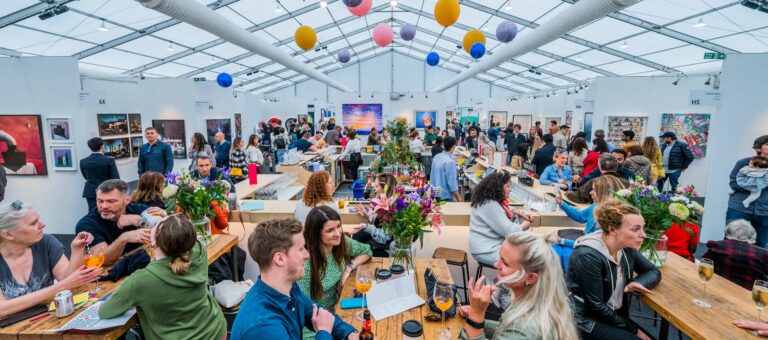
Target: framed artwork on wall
[
  {"x": 214, "y": 126},
  {"x": 691, "y": 128},
  {"x": 117, "y": 148},
  {"x": 136, "y": 143},
  {"x": 616, "y": 125},
  {"x": 498, "y": 117},
  {"x": 425, "y": 119},
  {"x": 134, "y": 123},
  {"x": 569, "y": 118},
  {"x": 362, "y": 117},
  {"x": 525, "y": 121},
  {"x": 238, "y": 125},
  {"x": 63, "y": 158},
  {"x": 172, "y": 133},
  {"x": 588, "y": 125},
  {"x": 112, "y": 124},
  {"x": 21, "y": 145},
  {"x": 58, "y": 130}
]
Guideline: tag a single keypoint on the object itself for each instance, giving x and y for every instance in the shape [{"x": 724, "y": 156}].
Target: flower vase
[
  {"x": 402, "y": 254},
  {"x": 654, "y": 248},
  {"x": 203, "y": 228}
]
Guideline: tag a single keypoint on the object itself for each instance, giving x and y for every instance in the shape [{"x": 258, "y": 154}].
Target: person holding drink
[{"x": 30, "y": 261}]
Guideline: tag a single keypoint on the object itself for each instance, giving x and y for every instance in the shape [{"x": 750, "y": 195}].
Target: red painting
[{"x": 21, "y": 145}]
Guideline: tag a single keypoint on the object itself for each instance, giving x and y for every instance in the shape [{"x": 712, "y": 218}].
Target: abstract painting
[
  {"x": 172, "y": 133},
  {"x": 214, "y": 126},
  {"x": 499, "y": 117},
  {"x": 58, "y": 129},
  {"x": 691, "y": 128},
  {"x": 111, "y": 124},
  {"x": 63, "y": 157},
  {"x": 618, "y": 124},
  {"x": 363, "y": 117},
  {"x": 425, "y": 119},
  {"x": 117, "y": 148},
  {"x": 21, "y": 145},
  {"x": 134, "y": 123}
]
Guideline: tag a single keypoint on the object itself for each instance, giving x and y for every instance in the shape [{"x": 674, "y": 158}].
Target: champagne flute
[
  {"x": 443, "y": 298},
  {"x": 706, "y": 271},
  {"x": 90, "y": 260},
  {"x": 363, "y": 282},
  {"x": 760, "y": 297}
]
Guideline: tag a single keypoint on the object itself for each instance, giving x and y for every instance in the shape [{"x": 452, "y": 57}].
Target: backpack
[{"x": 280, "y": 143}]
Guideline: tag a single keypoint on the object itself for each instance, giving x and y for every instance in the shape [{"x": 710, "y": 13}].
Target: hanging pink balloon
[
  {"x": 382, "y": 34},
  {"x": 362, "y": 9}
]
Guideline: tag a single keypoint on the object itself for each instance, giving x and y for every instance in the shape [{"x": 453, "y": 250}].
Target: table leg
[
  {"x": 664, "y": 329},
  {"x": 235, "y": 272}
]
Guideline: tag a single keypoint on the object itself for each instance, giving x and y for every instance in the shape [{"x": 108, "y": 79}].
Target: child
[{"x": 754, "y": 178}]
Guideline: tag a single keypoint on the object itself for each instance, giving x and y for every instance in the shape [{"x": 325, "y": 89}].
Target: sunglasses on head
[{"x": 17, "y": 205}]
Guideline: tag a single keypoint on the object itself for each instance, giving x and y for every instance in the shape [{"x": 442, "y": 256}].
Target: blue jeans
[
  {"x": 279, "y": 156},
  {"x": 674, "y": 180},
  {"x": 760, "y": 223}
]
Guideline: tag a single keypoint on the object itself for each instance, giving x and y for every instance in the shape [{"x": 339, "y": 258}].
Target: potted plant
[
  {"x": 196, "y": 198},
  {"x": 407, "y": 216}
]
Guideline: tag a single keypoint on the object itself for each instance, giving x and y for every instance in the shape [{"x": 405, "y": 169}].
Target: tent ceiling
[{"x": 654, "y": 37}]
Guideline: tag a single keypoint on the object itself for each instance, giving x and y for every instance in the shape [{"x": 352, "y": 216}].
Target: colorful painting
[
  {"x": 525, "y": 121},
  {"x": 691, "y": 128},
  {"x": 111, "y": 124},
  {"x": 498, "y": 117},
  {"x": 214, "y": 126},
  {"x": 363, "y": 117},
  {"x": 569, "y": 118},
  {"x": 172, "y": 133},
  {"x": 21, "y": 145},
  {"x": 134, "y": 123},
  {"x": 450, "y": 115},
  {"x": 117, "y": 148},
  {"x": 58, "y": 129},
  {"x": 425, "y": 119},
  {"x": 238, "y": 125},
  {"x": 468, "y": 114},
  {"x": 311, "y": 116},
  {"x": 617, "y": 125},
  {"x": 136, "y": 143},
  {"x": 63, "y": 158}
]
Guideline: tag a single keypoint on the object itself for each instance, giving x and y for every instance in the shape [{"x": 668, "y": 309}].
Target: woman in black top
[{"x": 600, "y": 273}]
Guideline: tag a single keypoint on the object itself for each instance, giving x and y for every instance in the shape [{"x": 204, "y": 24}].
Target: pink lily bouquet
[{"x": 407, "y": 216}]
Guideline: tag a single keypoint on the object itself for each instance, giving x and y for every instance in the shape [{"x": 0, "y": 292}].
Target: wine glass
[
  {"x": 90, "y": 260},
  {"x": 706, "y": 271},
  {"x": 443, "y": 298},
  {"x": 760, "y": 297},
  {"x": 363, "y": 282}
]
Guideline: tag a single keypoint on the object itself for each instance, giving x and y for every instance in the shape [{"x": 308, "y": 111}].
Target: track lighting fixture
[
  {"x": 103, "y": 28},
  {"x": 709, "y": 81}
]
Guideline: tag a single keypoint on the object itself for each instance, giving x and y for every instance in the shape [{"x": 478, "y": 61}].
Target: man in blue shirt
[
  {"x": 304, "y": 145},
  {"x": 221, "y": 150},
  {"x": 275, "y": 307},
  {"x": 444, "y": 173},
  {"x": 155, "y": 155}
]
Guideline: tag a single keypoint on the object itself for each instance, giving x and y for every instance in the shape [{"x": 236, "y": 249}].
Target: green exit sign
[{"x": 714, "y": 55}]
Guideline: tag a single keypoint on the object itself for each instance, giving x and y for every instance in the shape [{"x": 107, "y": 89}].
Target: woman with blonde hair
[
  {"x": 652, "y": 151},
  {"x": 318, "y": 191},
  {"x": 603, "y": 188},
  {"x": 534, "y": 142},
  {"x": 149, "y": 190},
  {"x": 238, "y": 160},
  {"x": 180, "y": 269},
  {"x": 539, "y": 309}
]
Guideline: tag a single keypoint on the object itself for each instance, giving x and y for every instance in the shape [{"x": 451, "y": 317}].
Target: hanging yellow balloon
[
  {"x": 472, "y": 37},
  {"x": 447, "y": 12},
  {"x": 305, "y": 37}
]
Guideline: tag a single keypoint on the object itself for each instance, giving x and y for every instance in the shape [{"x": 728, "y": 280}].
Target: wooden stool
[
  {"x": 480, "y": 267},
  {"x": 455, "y": 257}
]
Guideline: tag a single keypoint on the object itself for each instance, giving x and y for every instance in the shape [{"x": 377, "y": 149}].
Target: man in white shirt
[{"x": 561, "y": 137}]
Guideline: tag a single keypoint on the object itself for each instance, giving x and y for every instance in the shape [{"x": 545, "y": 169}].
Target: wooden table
[
  {"x": 680, "y": 285},
  {"x": 37, "y": 329},
  {"x": 391, "y": 327}
]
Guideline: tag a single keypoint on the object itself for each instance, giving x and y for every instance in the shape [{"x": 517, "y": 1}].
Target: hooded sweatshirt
[
  {"x": 641, "y": 166},
  {"x": 595, "y": 241},
  {"x": 170, "y": 306}
]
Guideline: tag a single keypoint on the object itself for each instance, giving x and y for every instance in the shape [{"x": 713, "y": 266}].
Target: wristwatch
[{"x": 474, "y": 324}]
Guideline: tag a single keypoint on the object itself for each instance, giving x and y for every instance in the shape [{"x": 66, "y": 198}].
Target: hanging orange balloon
[
  {"x": 305, "y": 37},
  {"x": 447, "y": 12},
  {"x": 472, "y": 37}
]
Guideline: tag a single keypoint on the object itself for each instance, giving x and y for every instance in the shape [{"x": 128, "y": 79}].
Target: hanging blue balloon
[
  {"x": 224, "y": 79},
  {"x": 433, "y": 58},
  {"x": 351, "y": 3},
  {"x": 407, "y": 32},
  {"x": 506, "y": 31},
  {"x": 477, "y": 50},
  {"x": 344, "y": 56}
]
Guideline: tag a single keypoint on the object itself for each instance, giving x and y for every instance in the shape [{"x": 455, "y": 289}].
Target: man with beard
[{"x": 115, "y": 223}]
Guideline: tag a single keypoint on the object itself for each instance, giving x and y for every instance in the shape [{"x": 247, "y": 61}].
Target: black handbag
[
  {"x": 429, "y": 282},
  {"x": 356, "y": 158}
]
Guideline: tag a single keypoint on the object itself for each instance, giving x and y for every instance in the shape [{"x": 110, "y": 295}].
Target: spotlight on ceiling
[
  {"x": 676, "y": 81},
  {"x": 624, "y": 44},
  {"x": 393, "y": 3},
  {"x": 700, "y": 23},
  {"x": 103, "y": 28},
  {"x": 709, "y": 81},
  {"x": 53, "y": 11},
  {"x": 323, "y": 4},
  {"x": 508, "y": 6}
]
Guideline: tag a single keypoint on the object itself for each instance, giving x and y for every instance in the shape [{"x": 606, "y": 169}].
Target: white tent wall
[{"x": 743, "y": 117}]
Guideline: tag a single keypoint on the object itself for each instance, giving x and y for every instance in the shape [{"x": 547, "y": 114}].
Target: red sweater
[
  {"x": 590, "y": 163},
  {"x": 680, "y": 240}
]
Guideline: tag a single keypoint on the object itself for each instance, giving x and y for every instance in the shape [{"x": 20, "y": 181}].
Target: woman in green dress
[{"x": 332, "y": 258}]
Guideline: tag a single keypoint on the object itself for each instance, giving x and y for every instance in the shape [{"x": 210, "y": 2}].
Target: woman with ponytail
[{"x": 171, "y": 293}]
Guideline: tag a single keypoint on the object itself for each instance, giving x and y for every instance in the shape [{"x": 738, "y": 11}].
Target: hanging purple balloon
[
  {"x": 407, "y": 32},
  {"x": 506, "y": 31},
  {"x": 351, "y": 3},
  {"x": 344, "y": 56}
]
